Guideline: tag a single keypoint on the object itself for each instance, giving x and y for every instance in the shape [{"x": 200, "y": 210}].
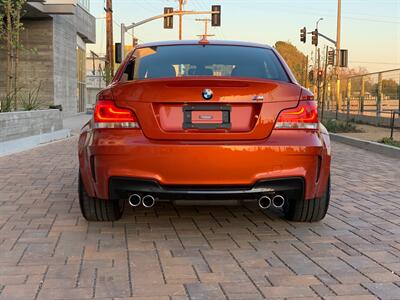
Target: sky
[{"x": 370, "y": 28}]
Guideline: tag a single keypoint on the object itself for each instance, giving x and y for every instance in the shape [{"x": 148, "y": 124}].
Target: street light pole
[
  {"x": 316, "y": 28},
  {"x": 316, "y": 61}
]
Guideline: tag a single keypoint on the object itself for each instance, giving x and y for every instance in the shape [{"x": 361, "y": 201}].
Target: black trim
[
  {"x": 187, "y": 116},
  {"x": 122, "y": 187}
]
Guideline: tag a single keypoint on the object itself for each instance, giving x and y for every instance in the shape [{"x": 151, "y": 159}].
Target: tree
[
  {"x": 10, "y": 29},
  {"x": 295, "y": 59}
]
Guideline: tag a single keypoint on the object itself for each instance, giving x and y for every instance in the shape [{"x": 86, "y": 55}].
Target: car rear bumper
[
  {"x": 111, "y": 159},
  {"x": 122, "y": 188}
]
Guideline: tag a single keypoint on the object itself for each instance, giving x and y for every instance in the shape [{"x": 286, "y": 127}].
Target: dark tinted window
[{"x": 208, "y": 60}]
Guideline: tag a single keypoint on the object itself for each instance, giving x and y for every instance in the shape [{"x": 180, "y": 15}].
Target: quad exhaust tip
[
  {"x": 135, "y": 200},
  {"x": 264, "y": 202},
  {"x": 148, "y": 201},
  {"x": 278, "y": 201}
]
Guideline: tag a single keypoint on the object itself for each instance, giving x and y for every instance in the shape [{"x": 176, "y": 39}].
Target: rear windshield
[{"x": 205, "y": 60}]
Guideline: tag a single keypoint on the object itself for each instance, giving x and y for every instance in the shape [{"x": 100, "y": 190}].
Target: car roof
[{"x": 202, "y": 42}]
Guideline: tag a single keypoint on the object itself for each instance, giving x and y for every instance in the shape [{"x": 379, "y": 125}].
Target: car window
[{"x": 207, "y": 60}]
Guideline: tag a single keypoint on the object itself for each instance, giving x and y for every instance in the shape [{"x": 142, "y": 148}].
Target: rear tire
[
  {"x": 314, "y": 210},
  {"x": 94, "y": 209}
]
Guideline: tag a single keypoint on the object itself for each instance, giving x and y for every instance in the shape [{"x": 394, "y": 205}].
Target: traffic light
[
  {"x": 331, "y": 57},
  {"x": 344, "y": 58},
  {"x": 168, "y": 21},
  {"x": 303, "y": 34},
  {"x": 216, "y": 17},
  {"x": 314, "y": 39},
  {"x": 320, "y": 75},
  {"x": 118, "y": 53}
]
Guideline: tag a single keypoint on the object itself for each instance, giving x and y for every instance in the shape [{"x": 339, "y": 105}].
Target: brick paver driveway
[{"x": 48, "y": 251}]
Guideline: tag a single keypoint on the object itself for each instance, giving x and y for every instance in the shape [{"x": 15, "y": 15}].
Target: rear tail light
[
  {"x": 304, "y": 116},
  {"x": 108, "y": 115}
]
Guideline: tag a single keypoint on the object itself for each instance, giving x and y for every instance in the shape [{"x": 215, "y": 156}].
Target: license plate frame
[{"x": 224, "y": 108}]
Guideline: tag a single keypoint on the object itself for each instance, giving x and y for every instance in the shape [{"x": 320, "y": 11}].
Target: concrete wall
[
  {"x": 65, "y": 31},
  {"x": 16, "y": 125},
  {"x": 53, "y": 61},
  {"x": 64, "y": 69},
  {"x": 85, "y": 25},
  {"x": 36, "y": 63}
]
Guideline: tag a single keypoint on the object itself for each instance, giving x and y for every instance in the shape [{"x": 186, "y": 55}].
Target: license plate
[{"x": 206, "y": 117}]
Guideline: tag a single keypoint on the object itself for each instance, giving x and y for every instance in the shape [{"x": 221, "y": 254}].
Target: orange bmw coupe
[{"x": 204, "y": 120}]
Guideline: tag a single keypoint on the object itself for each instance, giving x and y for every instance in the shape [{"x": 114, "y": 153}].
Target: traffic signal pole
[{"x": 125, "y": 28}]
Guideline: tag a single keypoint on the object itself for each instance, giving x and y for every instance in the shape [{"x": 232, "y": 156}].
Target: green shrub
[
  {"x": 389, "y": 141},
  {"x": 30, "y": 99},
  {"x": 7, "y": 102},
  {"x": 336, "y": 126}
]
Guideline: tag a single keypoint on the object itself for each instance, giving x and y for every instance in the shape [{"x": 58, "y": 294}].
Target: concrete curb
[
  {"x": 383, "y": 149},
  {"x": 22, "y": 144}
]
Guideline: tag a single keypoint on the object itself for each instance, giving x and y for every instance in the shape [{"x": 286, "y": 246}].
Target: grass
[
  {"x": 389, "y": 141},
  {"x": 336, "y": 126}
]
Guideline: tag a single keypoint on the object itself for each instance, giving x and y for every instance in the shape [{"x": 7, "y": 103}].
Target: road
[{"x": 48, "y": 251}]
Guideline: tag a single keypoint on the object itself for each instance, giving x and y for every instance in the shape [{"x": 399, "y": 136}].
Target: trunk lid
[{"x": 175, "y": 109}]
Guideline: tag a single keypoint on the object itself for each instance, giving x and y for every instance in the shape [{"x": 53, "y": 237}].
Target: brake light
[
  {"x": 108, "y": 115},
  {"x": 304, "y": 116}
]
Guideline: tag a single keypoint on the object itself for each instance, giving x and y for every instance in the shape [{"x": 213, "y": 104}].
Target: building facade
[{"x": 54, "y": 38}]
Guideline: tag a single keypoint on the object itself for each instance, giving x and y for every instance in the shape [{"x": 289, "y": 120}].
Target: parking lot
[{"x": 48, "y": 251}]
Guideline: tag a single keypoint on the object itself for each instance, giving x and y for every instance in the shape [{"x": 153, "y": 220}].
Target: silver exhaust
[
  {"x": 134, "y": 200},
  {"x": 278, "y": 201},
  {"x": 264, "y": 202},
  {"x": 148, "y": 201}
]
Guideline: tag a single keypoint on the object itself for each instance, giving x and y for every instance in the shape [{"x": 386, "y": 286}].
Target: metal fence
[{"x": 373, "y": 94}]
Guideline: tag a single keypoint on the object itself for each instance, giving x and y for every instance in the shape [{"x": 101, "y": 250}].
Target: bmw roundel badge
[{"x": 207, "y": 94}]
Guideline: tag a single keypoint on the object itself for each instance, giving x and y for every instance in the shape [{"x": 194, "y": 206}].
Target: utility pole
[
  {"x": 306, "y": 73},
  {"x": 109, "y": 41},
  {"x": 338, "y": 94},
  {"x": 180, "y": 18},
  {"x": 205, "y": 35},
  {"x": 318, "y": 76}
]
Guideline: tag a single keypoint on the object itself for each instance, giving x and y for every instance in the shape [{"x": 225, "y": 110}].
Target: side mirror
[{"x": 118, "y": 53}]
